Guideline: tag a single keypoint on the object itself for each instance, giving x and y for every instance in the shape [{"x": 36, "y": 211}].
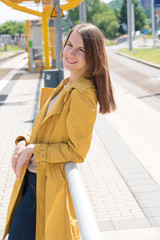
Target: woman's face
[{"x": 74, "y": 57}]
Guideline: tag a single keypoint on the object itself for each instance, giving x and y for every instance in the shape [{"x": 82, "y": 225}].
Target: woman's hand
[
  {"x": 17, "y": 152},
  {"x": 24, "y": 159}
]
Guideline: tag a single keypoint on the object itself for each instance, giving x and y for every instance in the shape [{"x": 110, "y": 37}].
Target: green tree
[
  {"x": 123, "y": 16},
  {"x": 99, "y": 14},
  {"x": 107, "y": 22},
  {"x": 74, "y": 15},
  {"x": 12, "y": 27},
  {"x": 20, "y": 28},
  {"x": 117, "y": 13},
  {"x": 147, "y": 12},
  {"x": 93, "y": 7},
  {"x": 5, "y": 29},
  {"x": 140, "y": 17},
  {"x": 66, "y": 24},
  {"x": 115, "y": 4}
]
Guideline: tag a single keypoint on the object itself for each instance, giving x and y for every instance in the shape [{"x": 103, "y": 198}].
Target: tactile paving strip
[{"x": 110, "y": 198}]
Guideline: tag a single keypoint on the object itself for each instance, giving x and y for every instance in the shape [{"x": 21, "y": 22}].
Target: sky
[{"x": 7, "y": 13}]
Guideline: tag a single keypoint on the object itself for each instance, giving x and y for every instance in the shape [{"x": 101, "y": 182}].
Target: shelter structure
[{"x": 40, "y": 34}]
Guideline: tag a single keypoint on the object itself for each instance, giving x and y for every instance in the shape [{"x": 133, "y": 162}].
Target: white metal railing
[{"x": 86, "y": 220}]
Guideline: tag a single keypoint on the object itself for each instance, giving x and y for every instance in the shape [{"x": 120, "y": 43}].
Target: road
[
  {"x": 129, "y": 74},
  {"x": 144, "y": 76}
]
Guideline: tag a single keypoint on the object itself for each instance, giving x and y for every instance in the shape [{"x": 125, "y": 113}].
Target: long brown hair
[{"x": 96, "y": 59}]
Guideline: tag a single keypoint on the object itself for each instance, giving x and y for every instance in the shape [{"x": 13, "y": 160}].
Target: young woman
[{"x": 41, "y": 206}]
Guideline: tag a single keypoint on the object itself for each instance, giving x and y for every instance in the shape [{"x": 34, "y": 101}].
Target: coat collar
[{"x": 81, "y": 83}]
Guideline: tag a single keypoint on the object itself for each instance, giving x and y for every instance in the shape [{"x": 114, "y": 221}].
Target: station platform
[{"x": 121, "y": 170}]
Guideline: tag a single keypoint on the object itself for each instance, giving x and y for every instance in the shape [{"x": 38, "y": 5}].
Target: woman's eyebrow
[
  {"x": 71, "y": 43},
  {"x": 81, "y": 47}
]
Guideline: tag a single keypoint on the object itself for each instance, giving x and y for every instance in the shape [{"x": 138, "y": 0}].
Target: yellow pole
[
  {"x": 46, "y": 40},
  {"x": 28, "y": 36},
  {"x": 52, "y": 46}
]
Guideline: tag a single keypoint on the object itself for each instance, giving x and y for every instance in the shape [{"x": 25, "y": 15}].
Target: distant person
[
  {"x": 144, "y": 36},
  {"x": 41, "y": 206}
]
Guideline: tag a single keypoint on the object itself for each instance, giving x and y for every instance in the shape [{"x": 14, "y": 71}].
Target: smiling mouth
[{"x": 70, "y": 61}]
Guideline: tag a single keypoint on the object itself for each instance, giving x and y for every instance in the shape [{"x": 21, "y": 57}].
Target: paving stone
[
  {"x": 155, "y": 221},
  {"x": 131, "y": 223},
  {"x": 152, "y": 211},
  {"x": 141, "y": 181},
  {"x": 137, "y": 234},
  {"x": 114, "y": 196},
  {"x": 153, "y": 202},
  {"x": 147, "y": 195},
  {"x": 144, "y": 188},
  {"x": 105, "y": 225}
]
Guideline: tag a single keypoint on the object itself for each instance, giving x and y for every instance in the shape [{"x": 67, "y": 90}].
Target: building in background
[
  {"x": 158, "y": 19},
  {"x": 13, "y": 39},
  {"x": 145, "y": 4}
]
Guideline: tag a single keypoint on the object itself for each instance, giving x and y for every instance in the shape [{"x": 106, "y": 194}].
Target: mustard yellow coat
[{"x": 63, "y": 135}]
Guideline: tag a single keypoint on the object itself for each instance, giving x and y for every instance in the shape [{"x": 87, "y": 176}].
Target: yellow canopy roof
[{"x": 68, "y": 4}]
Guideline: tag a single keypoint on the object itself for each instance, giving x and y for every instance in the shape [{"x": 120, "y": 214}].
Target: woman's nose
[{"x": 72, "y": 52}]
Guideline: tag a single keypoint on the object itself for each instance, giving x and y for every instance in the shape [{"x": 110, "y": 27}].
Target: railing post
[{"x": 86, "y": 220}]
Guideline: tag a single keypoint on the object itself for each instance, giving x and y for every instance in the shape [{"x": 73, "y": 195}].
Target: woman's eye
[
  {"x": 69, "y": 44},
  {"x": 82, "y": 50}
]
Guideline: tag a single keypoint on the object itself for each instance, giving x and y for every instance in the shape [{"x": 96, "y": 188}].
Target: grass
[
  {"x": 149, "y": 36},
  {"x": 149, "y": 55},
  {"x": 110, "y": 42},
  {"x": 10, "y": 50}
]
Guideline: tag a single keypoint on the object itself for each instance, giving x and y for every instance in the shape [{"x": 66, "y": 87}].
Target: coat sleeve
[
  {"x": 79, "y": 123},
  {"x": 25, "y": 137}
]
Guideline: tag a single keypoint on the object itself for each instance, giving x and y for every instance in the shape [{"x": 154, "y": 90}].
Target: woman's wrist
[
  {"x": 30, "y": 148},
  {"x": 23, "y": 142}
]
